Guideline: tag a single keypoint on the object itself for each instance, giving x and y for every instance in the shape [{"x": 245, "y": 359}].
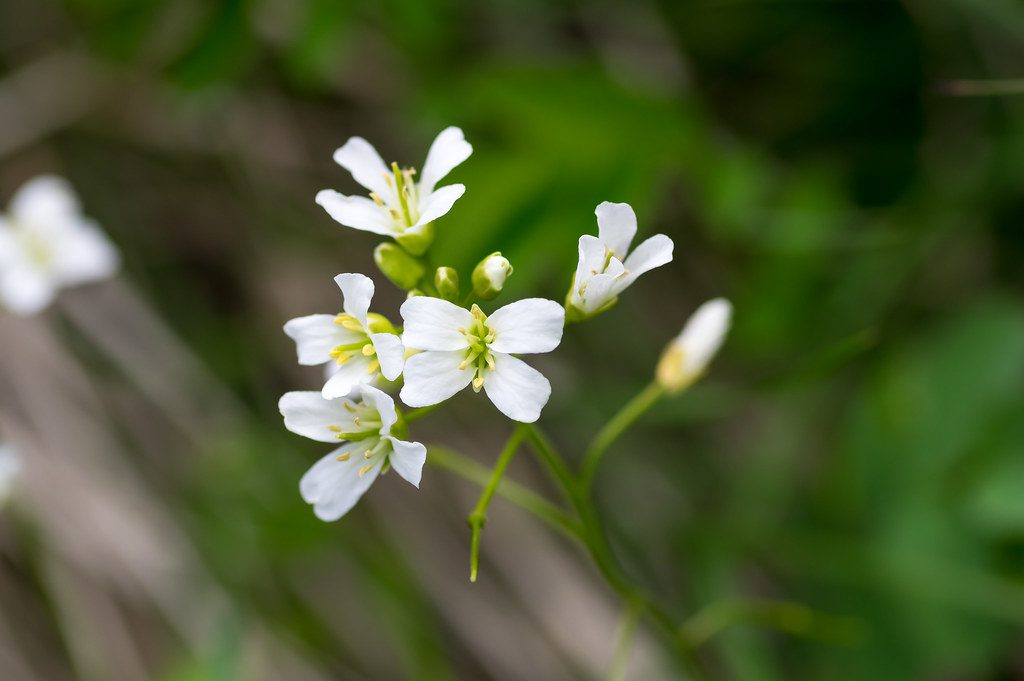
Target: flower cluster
[
  {"x": 46, "y": 244},
  {"x": 446, "y": 341}
]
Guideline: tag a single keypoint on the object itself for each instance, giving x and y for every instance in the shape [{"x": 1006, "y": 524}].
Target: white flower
[
  {"x": 688, "y": 355},
  {"x": 361, "y": 343},
  {"x": 463, "y": 347},
  {"x": 10, "y": 467},
  {"x": 336, "y": 482},
  {"x": 46, "y": 243},
  {"x": 606, "y": 267},
  {"x": 398, "y": 206}
]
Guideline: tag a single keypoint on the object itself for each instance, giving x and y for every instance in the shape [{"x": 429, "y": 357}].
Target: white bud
[
  {"x": 490, "y": 274},
  {"x": 688, "y": 355}
]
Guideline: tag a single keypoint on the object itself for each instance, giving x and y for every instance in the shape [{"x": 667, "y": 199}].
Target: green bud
[
  {"x": 402, "y": 269},
  {"x": 378, "y": 323},
  {"x": 418, "y": 239},
  {"x": 489, "y": 276},
  {"x": 446, "y": 279}
]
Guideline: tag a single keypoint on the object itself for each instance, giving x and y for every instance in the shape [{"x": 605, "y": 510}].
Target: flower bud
[
  {"x": 490, "y": 275},
  {"x": 688, "y": 355},
  {"x": 446, "y": 279},
  {"x": 402, "y": 269}
]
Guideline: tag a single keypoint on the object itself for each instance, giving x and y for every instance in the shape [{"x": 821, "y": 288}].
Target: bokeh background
[{"x": 843, "y": 171}]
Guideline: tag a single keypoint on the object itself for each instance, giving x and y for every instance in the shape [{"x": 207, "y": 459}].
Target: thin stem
[
  {"x": 612, "y": 430},
  {"x": 521, "y": 496},
  {"x": 478, "y": 516},
  {"x": 793, "y": 618},
  {"x": 624, "y": 642},
  {"x": 416, "y": 414}
]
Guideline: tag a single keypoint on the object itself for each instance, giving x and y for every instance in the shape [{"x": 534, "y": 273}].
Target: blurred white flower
[
  {"x": 362, "y": 344},
  {"x": 688, "y": 355},
  {"x": 10, "y": 467},
  {"x": 336, "y": 482},
  {"x": 462, "y": 347},
  {"x": 606, "y": 267},
  {"x": 46, "y": 243},
  {"x": 398, "y": 206}
]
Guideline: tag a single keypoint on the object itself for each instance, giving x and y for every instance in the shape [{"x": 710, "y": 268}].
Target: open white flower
[
  {"x": 462, "y": 347},
  {"x": 606, "y": 266},
  {"x": 688, "y": 355},
  {"x": 10, "y": 467},
  {"x": 46, "y": 243},
  {"x": 398, "y": 206},
  {"x": 361, "y": 343},
  {"x": 336, "y": 482}
]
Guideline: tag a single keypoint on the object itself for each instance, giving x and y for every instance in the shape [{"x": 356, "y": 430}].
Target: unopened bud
[
  {"x": 446, "y": 279},
  {"x": 418, "y": 239},
  {"x": 402, "y": 269},
  {"x": 489, "y": 276},
  {"x": 688, "y": 355}
]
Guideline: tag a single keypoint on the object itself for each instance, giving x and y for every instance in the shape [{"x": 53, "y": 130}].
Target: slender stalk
[
  {"x": 523, "y": 497},
  {"x": 793, "y": 618},
  {"x": 624, "y": 643},
  {"x": 478, "y": 516},
  {"x": 612, "y": 430},
  {"x": 416, "y": 414}
]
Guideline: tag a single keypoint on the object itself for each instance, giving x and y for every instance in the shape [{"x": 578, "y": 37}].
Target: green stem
[
  {"x": 612, "y": 430},
  {"x": 793, "y": 618},
  {"x": 521, "y": 496},
  {"x": 478, "y": 516},
  {"x": 624, "y": 642},
  {"x": 416, "y": 414}
]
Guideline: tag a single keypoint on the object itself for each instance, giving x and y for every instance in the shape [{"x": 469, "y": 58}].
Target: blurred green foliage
[{"x": 859, "y": 447}]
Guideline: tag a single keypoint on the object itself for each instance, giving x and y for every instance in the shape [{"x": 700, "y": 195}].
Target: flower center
[
  {"x": 363, "y": 346},
  {"x": 36, "y": 248},
  {"x": 403, "y": 204},
  {"x": 479, "y": 336}
]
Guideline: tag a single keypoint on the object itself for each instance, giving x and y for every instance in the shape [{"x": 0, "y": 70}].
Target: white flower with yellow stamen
[
  {"x": 399, "y": 206},
  {"x": 606, "y": 266},
  {"x": 688, "y": 355},
  {"x": 369, "y": 429},
  {"x": 363, "y": 345},
  {"x": 462, "y": 347},
  {"x": 46, "y": 244}
]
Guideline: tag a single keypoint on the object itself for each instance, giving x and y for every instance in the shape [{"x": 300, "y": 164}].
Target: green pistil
[
  {"x": 402, "y": 182},
  {"x": 479, "y": 336}
]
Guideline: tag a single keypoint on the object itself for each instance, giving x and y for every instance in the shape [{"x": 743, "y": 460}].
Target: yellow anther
[
  {"x": 478, "y": 383},
  {"x": 365, "y": 469},
  {"x": 348, "y": 407},
  {"x": 334, "y": 429},
  {"x": 376, "y": 199},
  {"x": 343, "y": 456},
  {"x": 373, "y": 367},
  {"x": 387, "y": 178},
  {"x": 395, "y": 215},
  {"x": 368, "y": 454},
  {"x": 490, "y": 361},
  {"x": 369, "y": 350}
]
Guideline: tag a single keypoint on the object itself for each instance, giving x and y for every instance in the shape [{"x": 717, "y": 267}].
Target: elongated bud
[
  {"x": 489, "y": 276},
  {"x": 446, "y": 279},
  {"x": 402, "y": 269},
  {"x": 686, "y": 358}
]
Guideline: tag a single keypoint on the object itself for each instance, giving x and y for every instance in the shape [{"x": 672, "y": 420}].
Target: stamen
[
  {"x": 365, "y": 469},
  {"x": 344, "y": 456},
  {"x": 334, "y": 429},
  {"x": 369, "y": 350},
  {"x": 478, "y": 383},
  {"x": 376, "y": 199},
  {"x": 373, "y": 367}
]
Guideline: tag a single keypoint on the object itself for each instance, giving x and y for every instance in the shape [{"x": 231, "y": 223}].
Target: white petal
[
  {"x": 438, "y": 203},
  {"x": 357, "y": 212},
  {"x": 704, "y": 333},
  {"x": 591, "y": 261},
  {"x": 44, "y": 199},
  {"x": 84, "y": 254},
  {"x": 449, "y": 149},
  {"x": 358, "y": 292},
  {"x": 616, "y": 226},
  {"x": 367, "y": 167},
  {"x": 600, "y": 289},
  {"x": 433, "y": 324},
  {"x": 528, "y": 325},
  {"x": 384, "y": 405},
  {"x": 518, "y": 390},
  {"x": 316, "y": 335},
  {"x": 334, "y": 487},
  {"x": 433, "y": 377},
  {"x": 348, "y": 376},
  {"x": 307, "y": 413},
  {"x": 407, "y": 458},
  {"x": 653, "y": 252},
  {"x": 25, "y": 290},
  {"x": 390, "y": 354}
]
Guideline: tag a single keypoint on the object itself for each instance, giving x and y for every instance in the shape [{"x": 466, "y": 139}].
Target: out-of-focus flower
[
  {"x": 606, "y": 266},
  {"x": 688, "y": 355},
  {"x": 361, "y": 343},
  {"x": 490, "y": 274},
  {"x": 10, "y": 467},
  {"x": 47, "y": 243},
  {"x": 399, "y": 206},
  {"x": 370, "y": 431},
  {"x": 462, "y": 347}
]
